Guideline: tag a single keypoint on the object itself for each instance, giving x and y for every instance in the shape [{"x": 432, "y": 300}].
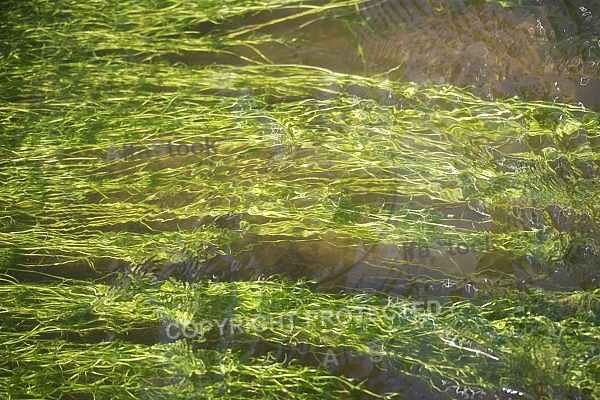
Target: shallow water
[
  {"x": 383, "y": 151},
  {"x": 535, "y": 50},
  {"x": 538, "y": 50}
]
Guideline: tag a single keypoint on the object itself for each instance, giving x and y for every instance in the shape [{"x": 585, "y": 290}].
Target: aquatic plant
[{"x": 319, "y": 178}]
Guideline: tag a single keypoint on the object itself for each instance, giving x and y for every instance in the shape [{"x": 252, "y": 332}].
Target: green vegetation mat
[{"x": 297, "y": 209}]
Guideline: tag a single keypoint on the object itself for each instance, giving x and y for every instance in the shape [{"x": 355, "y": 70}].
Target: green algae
[
  {"x": 91, "y": 338},
  {"x": 306, "y": 158}
]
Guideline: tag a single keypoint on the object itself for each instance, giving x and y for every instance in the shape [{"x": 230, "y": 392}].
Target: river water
[
  {"x": 343, "y": 153},
  {"x": 533, "y": 50},
  {"x": 537, "y": 50}
]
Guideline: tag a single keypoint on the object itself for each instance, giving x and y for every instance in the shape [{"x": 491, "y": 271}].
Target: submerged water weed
[
  {"x": 92, "y": 336},
  {"x": 318, "y": 175}
]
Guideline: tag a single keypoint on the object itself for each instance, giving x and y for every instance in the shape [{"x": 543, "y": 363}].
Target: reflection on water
[
  {"x": 537, "y": 51},
  {"x": 501, "y": 52}
]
